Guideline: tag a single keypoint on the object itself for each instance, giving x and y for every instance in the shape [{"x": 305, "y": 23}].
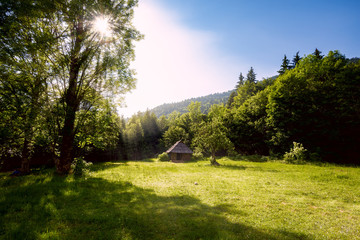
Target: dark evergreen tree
[
  {"x": 317, "y": 54},
  {"x": 240, "y": 82},
  {"x": 284, "y": 66},
  {"x": 247, "y": 90},
  {"x": 296, "y": 60},
  {"x": 251, "y": 76}
]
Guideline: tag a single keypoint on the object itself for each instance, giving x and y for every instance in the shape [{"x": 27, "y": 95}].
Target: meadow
[{"x": 241, "y": 199}]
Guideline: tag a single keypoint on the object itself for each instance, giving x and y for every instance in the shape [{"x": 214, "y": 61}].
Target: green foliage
[
  {"x": 25, "y": 41},
  {"x": 296, "y": 60},
  {"x": 250, "y": 88},
  {"x": 251, "y": 76},
  {"x": 163, "y": 157},
  {"x": 212, "y": 135},
  {"x": 317, "y": 54},
  {"x": 142, "y": 134},
  {"x": 315, "y": 104},
  {"x": 248, "y": 130},
  {"x": 198, "y": 154},
  {"x": 284, "y": 66},
  {"x": 181, "y": 107},
  {"x": 297, "y": 154},
  {"x": 53, "y": 62},
  {"x": 174, "y": 134},
  {"x": 240, "y": 82},
  {"x": 81, "y": 167},
  {"x": 231, "y": 99}
]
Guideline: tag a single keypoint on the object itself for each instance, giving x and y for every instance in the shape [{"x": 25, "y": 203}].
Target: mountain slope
[{"x": 206, "y": 102}]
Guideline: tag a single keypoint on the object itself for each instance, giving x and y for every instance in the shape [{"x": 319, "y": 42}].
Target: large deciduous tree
[
  {"x": 77, "y": 48},
  {"x": 96, "y": 48}
]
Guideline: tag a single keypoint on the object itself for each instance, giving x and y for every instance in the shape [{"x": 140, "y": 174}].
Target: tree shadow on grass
[{"x": 56, "y": 207}]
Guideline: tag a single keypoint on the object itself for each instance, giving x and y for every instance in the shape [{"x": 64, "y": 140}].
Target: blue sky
[
  {"x": 198, "y": 47},
  {"x": 259, "y": 28}
]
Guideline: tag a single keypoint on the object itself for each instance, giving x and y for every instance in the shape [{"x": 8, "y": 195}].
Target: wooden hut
[{"x": 179, "y": 152}]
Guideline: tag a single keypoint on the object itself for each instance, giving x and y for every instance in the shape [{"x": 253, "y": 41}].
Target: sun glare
[{"x": 101, "y": 25}]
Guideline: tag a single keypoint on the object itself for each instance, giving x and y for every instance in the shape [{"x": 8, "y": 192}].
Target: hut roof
[{"x": 179, "y": 147}]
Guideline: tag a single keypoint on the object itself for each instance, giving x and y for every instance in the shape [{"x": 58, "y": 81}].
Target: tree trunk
[
  {"x": 25, "y": 158},
  {"x": 63, "y": 165},
  {"x": 68, "y": 133}
]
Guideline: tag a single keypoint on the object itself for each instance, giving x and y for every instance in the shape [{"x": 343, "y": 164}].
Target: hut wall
[
  {"x": 180, "y": 157},
  {"x": 173, "y": 156},
  {"x": 186, "y": 156}
]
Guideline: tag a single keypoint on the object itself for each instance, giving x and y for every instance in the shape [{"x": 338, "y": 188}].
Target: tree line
[
  {"x": 59, "y": 78},
  {"x": 315, "y": 101}
]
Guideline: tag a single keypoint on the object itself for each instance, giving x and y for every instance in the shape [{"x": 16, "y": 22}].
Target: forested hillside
[
  {"x": 181, "y": 107},
  {"x": 311, "y": 108}
]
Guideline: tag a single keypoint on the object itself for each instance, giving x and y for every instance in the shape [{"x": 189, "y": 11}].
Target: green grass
[{"x": 159, "y": 200}]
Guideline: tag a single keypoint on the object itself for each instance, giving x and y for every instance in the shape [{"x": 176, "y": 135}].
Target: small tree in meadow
[
  {"x": 212, "y": 135},
  {"x": 296, "y": 154}
]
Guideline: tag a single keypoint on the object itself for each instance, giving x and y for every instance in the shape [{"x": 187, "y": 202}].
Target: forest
[{"x": 312, "y": 103}]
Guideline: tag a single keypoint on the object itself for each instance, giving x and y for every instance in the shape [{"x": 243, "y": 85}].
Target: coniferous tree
[
  {"x": 251, "y": 76},
  {"x": 240, "y": 82},
  {"x": 246, "y": 90},
  {"x": 296, "y": 60},
  {"x": 317, "y": 54},
  {"x": 284, "y": 66}
]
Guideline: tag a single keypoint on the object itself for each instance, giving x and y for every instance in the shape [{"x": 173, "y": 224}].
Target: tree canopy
[{"x": 54, "y": 50}]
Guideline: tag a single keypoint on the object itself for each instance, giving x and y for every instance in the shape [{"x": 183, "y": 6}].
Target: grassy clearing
[{"x": 159, "y": 200}]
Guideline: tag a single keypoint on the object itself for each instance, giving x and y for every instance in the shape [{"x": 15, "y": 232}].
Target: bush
[
  {"x": 164, "y": 157},
  {"x": 297, "y": 154},
  {"x": 197, "y": 155},
  {"x": 80, "y": 166}
]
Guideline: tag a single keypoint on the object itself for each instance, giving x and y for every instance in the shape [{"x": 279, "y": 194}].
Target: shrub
[
  {"x": 197, "y": 155},
  {"x": 164, "y": 157},
  {"x": 80, "y": 166},
  {"x": 297, "y": 154}
]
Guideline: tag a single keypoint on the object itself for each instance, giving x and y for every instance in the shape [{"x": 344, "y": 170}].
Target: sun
[{"x": 101, "y": 25}]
